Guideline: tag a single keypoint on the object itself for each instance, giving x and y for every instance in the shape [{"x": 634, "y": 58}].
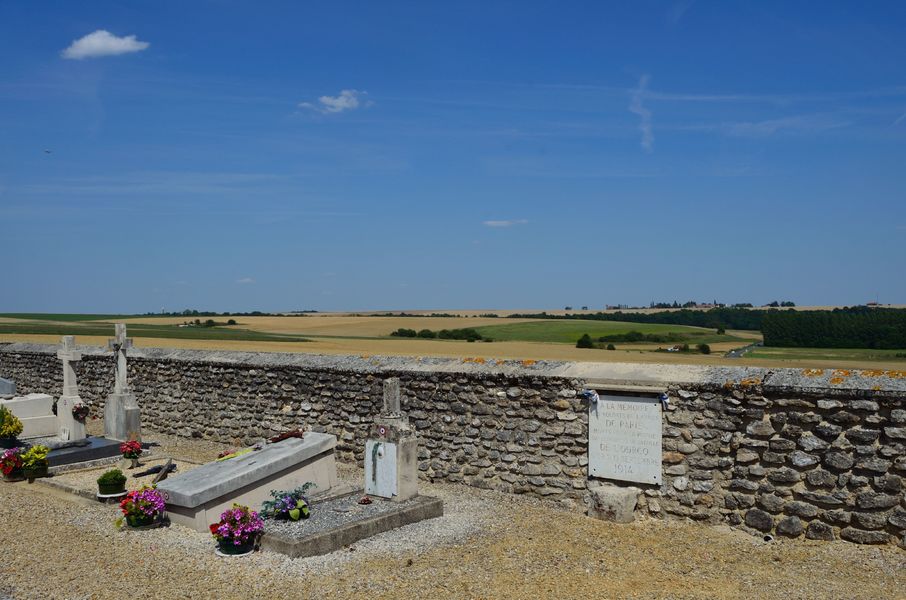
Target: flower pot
[
  {"x": 35, "y": 472},
  {"x": 142, "y": 521},
  {"x": 228, "y": 548},
  {"x": 16, "y": 475},
  {"x": 7, "y": 443},
  {"x": 110, "y": 489}
]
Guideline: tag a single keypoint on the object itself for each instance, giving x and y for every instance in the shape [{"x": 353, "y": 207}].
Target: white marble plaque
[{"x": 624, "y": 439}]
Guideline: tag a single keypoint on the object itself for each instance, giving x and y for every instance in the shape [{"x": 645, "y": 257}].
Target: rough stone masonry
[{"x": 789, "y": 452}]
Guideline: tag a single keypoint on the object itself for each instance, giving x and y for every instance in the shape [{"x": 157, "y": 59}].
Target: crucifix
[
  {"x": 119, "y": 345},
  {"x": 68, "y": 354}
]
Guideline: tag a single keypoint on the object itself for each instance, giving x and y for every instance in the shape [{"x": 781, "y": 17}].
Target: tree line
[{"x": 856, "y": 327}]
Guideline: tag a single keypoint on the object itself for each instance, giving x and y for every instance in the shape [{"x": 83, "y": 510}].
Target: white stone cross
[
  {"x": 392, "y": 397},
  {"x": 119, "y": 345},
  {"x": 68, "y": 354}
]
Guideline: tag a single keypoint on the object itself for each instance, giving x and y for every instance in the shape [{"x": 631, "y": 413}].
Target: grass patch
[
  {"x": 866, "y": 354},
  {"x": 567, "y": 332}
]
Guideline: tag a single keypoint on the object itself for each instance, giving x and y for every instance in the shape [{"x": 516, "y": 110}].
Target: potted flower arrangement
[
  {"x": 35, "y": 463},
  {"x": 131, "y": 450},
  {"x": 10, "y": 427},
  {"x": 289, "y": 505},
  {"x": 142, "y": 508},
  {"x": 11, "y": 465},
  {"x": 237, "y": 531},
  {"x": 112, "y": 483}
]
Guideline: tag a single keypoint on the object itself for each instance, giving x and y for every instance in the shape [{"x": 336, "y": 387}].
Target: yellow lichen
[
  {"x": 813, "y": 372},
  {"x": 836, "y": 380}
]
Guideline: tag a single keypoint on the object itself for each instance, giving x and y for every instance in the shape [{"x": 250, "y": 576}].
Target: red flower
[{"x": 213, "y": 527}]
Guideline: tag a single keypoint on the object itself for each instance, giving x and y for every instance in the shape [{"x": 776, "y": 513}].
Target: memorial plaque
[{"x": 624, "y": 439}]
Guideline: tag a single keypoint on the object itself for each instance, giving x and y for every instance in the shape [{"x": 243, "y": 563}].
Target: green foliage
[
  {"x": 728, "y": 318},
  {"x": 585, "y": 342},
  {"x": 10, "y": 425},
  {"x": 634, "y": 337},
  {"x": 427, "y": 333},
  {"x": 231, "y": 322},
  {"x": 857, "y": 327},
  {"x": 35, "y": 456},
  {"x": 704, "y": 348},
  {"x": 403, "y": 332},
  {"x": 721, "y": 331},
  {"x": 112, "y": 477},
  {"x": 288, "y": 504},
  {"x": 611, "y": 347},
  {"x": 468, "y": 334}
]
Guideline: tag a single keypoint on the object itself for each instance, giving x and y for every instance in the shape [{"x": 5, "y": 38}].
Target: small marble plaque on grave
[{"x": 624, "y": 439}]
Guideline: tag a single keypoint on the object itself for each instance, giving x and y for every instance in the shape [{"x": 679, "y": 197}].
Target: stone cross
[
  {"x": 68, "y": 354},
  {"x": 119, "y": 345},
  {"x": 392, "y": 397}
]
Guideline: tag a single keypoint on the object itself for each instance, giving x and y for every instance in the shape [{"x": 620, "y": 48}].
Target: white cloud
[
  {"x": 636, "y": 107},
  {"x": 245, "y": 280},
  {"x": 506, "y": 223},
  {"x": 346, "y": 100},
  {"x": 795, "y": 124},
  {"x": 103, "y": 43}
]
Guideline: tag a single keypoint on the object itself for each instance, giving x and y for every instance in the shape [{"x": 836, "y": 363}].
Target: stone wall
[{"x": 784, "y": 452}]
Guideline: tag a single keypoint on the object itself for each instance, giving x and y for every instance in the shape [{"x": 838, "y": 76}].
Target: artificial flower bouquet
[{"x": 238, "y": 530}]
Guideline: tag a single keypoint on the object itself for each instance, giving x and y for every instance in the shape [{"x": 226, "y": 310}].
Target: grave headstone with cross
[
  {"x": 122, "y": 416},
  {"x": 71, "y": 427},
  {"x": 391, "y": 468}
]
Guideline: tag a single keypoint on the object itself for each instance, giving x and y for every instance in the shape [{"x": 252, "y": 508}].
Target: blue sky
[{"x": 341, "y": 156}]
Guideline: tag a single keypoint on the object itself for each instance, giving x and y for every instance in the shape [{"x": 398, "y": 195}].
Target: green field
[
  {"x": 62, "y": 317},
  {"x": 74, "y": 326},
  {"x": 794, "y": 354},
  {"x": 567, "y": 332}
]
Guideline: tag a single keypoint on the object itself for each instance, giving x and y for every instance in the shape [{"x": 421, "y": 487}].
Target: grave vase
[
  {"x": 110, "y": 489},
  {"x": 228, "y": 548},
  {"x": 35, "y": 472},
  {"x": 16, "y": 475},
  {"x": 141, "y": 521}
]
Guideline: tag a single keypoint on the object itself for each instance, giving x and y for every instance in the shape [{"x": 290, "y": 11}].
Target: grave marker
[
  {"x": 122, "y": 416},
  {"x": 69, "y": 427},
  {"x": 624, "y": 439}
]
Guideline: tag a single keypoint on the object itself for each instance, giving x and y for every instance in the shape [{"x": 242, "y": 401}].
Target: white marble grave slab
[{"x": 624, "y": 439}]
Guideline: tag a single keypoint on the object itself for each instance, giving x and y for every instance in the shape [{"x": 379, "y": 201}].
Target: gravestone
[
  {"x": 198, "y": 497},
  {"x": 36, "y": 413},
  {"x": 122, "y": 416},
  {"x": 7, "y": 388},
  {"x": 70, "y": 429},
  {"x": 624, "y": 439},
  {"x": 391, "y": 470}
]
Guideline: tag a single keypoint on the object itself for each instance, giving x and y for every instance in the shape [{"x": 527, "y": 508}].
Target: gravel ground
[{"x": 487, "y": 545}]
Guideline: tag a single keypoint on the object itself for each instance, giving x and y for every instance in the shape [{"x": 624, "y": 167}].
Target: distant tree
[
  {"x": 403, "y": 332},
  {"x": 584, "y": 308},
  {"x": 721, "y": 331},
  {"x": 685, "y": 348},
  {"x": 231, "y": 322},
  {"x": 611, "y": 347},
  {"x": 427, "y": 333},
  {"x": 704, "y": 348},
  {"x": 585, "y": 342},
  {"x": 787, "y": 303},
  {"x": 567, "y": 308},
  {"x": 209, "y": 323}
]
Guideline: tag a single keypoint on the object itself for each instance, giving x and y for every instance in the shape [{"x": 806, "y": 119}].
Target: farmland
[{"x": 343, "y": 333}]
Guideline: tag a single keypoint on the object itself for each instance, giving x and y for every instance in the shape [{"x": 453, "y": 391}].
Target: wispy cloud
[
  {"x": 102, "y": 43},
  {"x": 245, "y": 281},
  {"x": 794, "y": 124},
  {"x": 346, "y": 100},
  {"x": 504, "y": 223},
  {"x": 636, "y": 107},
  {"x": 678, "y": 10},
  {"x": 900, "y": 119}
]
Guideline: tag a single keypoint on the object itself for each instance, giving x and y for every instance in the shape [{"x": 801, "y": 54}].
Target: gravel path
[{"x": 487, "y": 545}]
